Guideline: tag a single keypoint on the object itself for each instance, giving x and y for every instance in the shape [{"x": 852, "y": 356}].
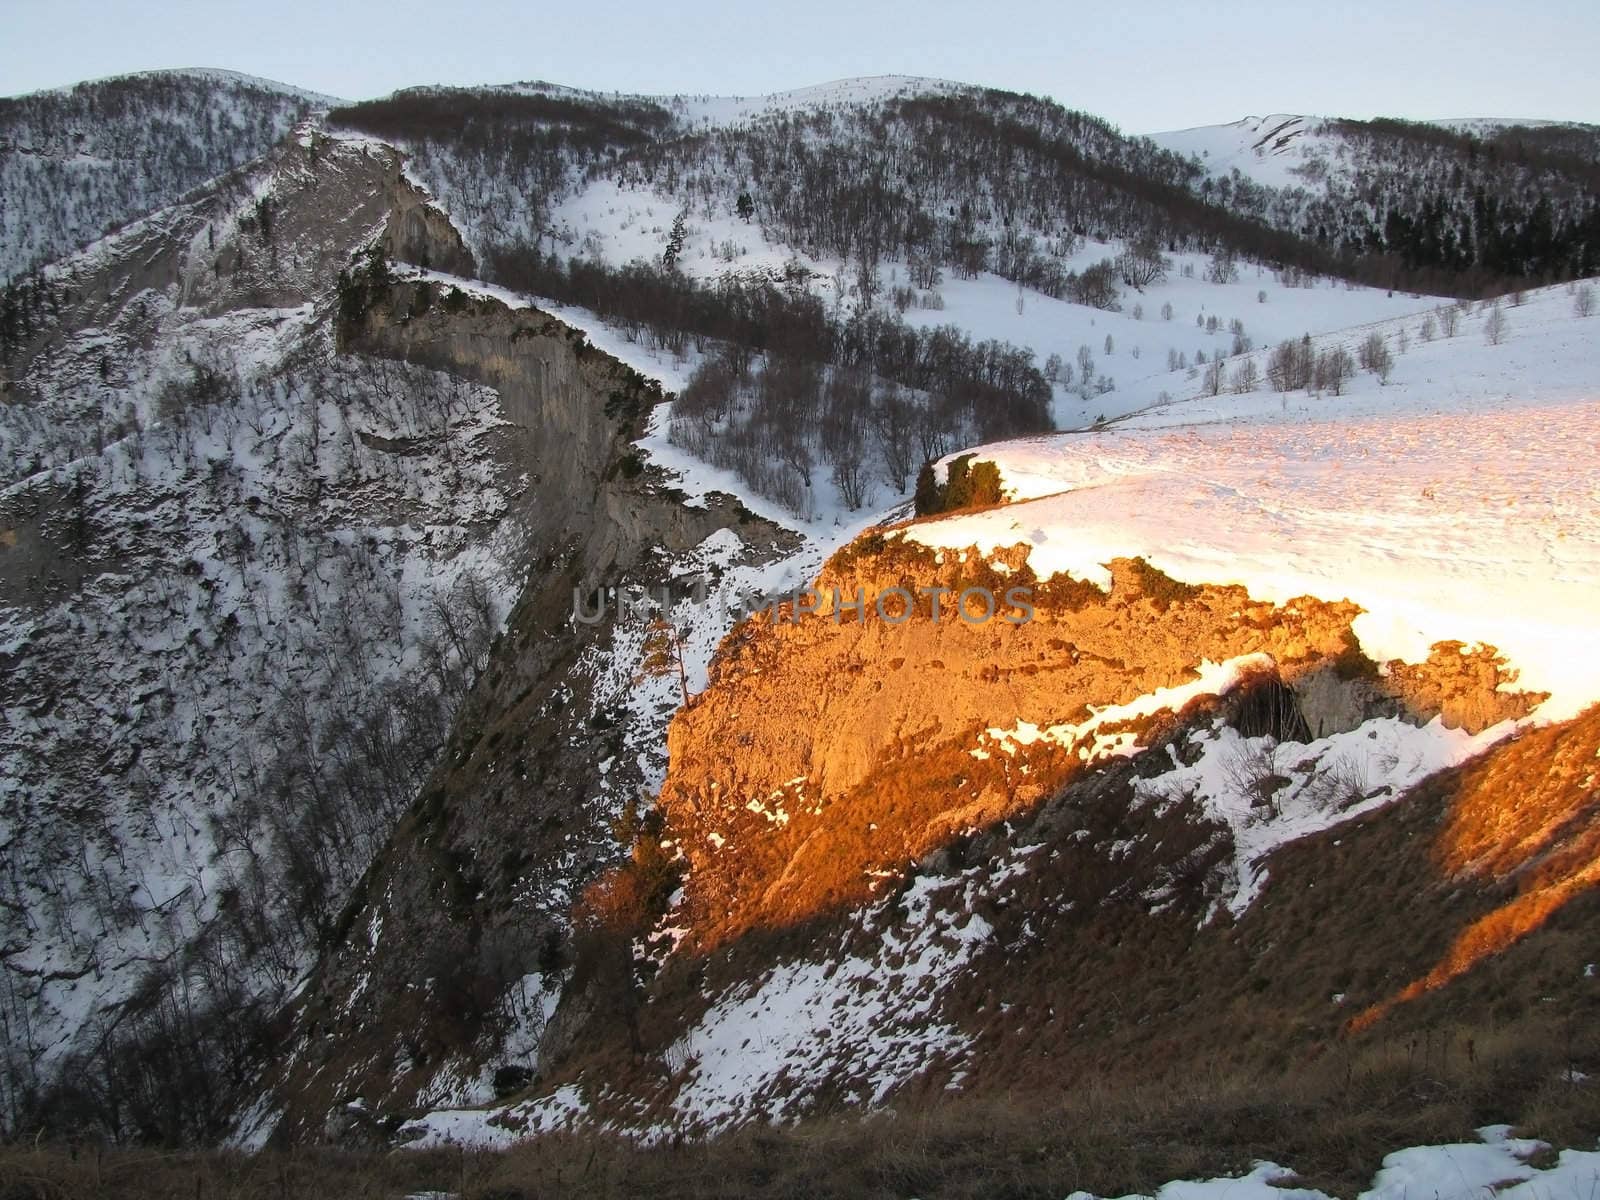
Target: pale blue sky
[{"x": 1146, "y": 66}]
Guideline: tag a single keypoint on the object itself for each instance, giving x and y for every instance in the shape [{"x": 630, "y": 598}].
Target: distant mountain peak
[{"x": 198, "y": 74}]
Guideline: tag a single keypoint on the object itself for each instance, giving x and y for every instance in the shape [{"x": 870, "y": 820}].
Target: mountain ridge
[{"x": 211, "y": 74}]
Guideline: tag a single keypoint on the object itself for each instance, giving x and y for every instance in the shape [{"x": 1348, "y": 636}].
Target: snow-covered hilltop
[
  {"x": 716, "y": 111},
  {"x": 78, "y": 161},
  {"x": 1285, "y": 150}
]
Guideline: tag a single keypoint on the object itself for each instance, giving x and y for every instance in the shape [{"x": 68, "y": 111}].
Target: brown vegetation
[
  {"x": 1523, "y": 818},
  {"x": 1332, "y": 1124}
]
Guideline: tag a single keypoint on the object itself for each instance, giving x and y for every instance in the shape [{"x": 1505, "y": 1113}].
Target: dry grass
[
  {"x": 57, "y": 1172},
  {"x": 1333, "y": 1125}
]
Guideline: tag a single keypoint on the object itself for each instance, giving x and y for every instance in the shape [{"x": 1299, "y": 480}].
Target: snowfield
[
  {"x": 1496, "y": 1166},
  {"x": 1289, "y": 150},
  {"x": 714, "y": 111},
  {"x": 1459, "y": 502},
  {"x": 1272, "y": 150}
]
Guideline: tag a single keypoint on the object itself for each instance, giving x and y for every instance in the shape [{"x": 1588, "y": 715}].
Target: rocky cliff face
[
  {"x": 199, "y": 468},
  {"x": 272, "y": 234},
  {"x": 921, "y": 854},
  {"x": 455, "y": 947},
  {"x": 861, "y": 733},
  {"x": 834, "y": 747},
  {"x": 573, "y": 414}
]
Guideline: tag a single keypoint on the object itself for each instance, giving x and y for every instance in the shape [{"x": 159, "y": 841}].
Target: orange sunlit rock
[{"x": 824, "y": 757}]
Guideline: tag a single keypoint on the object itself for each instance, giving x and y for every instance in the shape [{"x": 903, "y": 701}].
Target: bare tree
[
  {"x": 1374, "y": 356},
  {"x": 894, "y": 421},
  {"x": 850, "y": 476},
  {"x": 794, "y": 452},
  {"x": 1223, "y": 268},
  {"x": 934, "y": 436},
  {"x": 867, "y": 282},
  {"x": 924, "y": 272},
  {"x": 1245, "y": 376},
  {"x": 1334, "y": 369},
  {"x": 1290, "y": 365},
  {"x": 1495, "y": 326},
  {"x": 1142, "y": 264},
  {"x": 1583, "y": 300},
  {"x": 663, "y": 655}
]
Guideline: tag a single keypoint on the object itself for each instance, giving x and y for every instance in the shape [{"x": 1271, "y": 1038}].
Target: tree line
[
  {"x": 1433, "y": 209},
  {"x": 984, "y": 180},
  {"x": 981, "y": 181},
  {"x": 790, "y": 390}
]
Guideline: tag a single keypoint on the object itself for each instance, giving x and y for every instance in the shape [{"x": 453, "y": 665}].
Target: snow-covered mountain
[
  {"x": 1285, "y": 150},
  {"x": 79, "y": 161},
  {"x": 222, "y": 540},
  {"x": 352, "y": 790},
  {"x": 1434, "y": 198}
]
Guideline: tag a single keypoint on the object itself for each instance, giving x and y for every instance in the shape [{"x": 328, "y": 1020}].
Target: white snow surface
[
  {"x": 495, "y": 1128},
  {"x": 863, "y": 1017},
  {"x": 766, "y": 1046},
  {"x": 859, "y": 90},
  {"x": 1495, "y": 1166},
  {"x": 1211, "y": 679},
  {"x": 1329, "y": 781},
  {"x": 1460, "y": 502},
  {"x": 1275, "y": 150},
  {"x": 1267, "y": 149}
]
